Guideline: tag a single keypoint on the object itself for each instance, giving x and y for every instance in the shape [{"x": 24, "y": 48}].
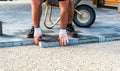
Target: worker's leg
[
  {"x": 63, "y": 38},
  {"x": 70, "y": 29},
  {"x": 36, "y": 15}
]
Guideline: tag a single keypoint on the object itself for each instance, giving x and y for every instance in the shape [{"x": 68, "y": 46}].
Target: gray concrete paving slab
[{"x": 16, "y": 23}]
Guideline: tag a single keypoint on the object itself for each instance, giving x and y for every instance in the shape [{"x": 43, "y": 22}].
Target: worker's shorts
[{"x": 54, "y": 2}]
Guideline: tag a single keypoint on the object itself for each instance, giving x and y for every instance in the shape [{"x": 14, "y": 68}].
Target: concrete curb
[
  {"x": 77, "y": 41},
  {"x": 47, "y": 44},
  {"x": 13, "y": 40},
  {"x": 17, "y": 43}
]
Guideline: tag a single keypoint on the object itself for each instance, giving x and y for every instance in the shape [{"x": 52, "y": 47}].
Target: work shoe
[
  {"x": 71, "y": 31},
  {"x": 31, "y": 33}
]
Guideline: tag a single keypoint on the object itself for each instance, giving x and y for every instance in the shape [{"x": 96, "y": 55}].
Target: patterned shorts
[{"x": 58, "y": 0}]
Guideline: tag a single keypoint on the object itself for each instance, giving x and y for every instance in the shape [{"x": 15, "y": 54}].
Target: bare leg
[
  {"x": 36, "y": 12},
  {"x": 70, "y": 29},
  {"x": 63, "y": 13},
  {"x": 63, "y": 38},
  {"x": 71, "y": 12}
]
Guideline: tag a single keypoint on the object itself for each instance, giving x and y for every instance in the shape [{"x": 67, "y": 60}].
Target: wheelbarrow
[{"x": 84, "y": 15}]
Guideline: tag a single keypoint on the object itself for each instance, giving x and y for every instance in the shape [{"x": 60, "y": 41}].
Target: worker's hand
[
  {"x": 37, "y": 35},
  {"x": 63, "y": 38}
]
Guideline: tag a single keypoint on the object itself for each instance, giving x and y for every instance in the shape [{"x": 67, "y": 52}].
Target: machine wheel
[{"x": 85, "y": 17}]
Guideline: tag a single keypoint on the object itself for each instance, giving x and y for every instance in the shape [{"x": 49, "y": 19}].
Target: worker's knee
[
  {"x": 36, "y": 3},
  {"x": 64, "y": 10}
]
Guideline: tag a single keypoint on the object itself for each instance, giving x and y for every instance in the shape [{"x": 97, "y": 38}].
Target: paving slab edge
[
  {"x": 77, "y": 42},
  {"x": 16, "y": 43},
  {"x": 56, "y": 44}
]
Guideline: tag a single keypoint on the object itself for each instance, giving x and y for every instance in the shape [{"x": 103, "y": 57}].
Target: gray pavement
[
  {"x": 16, "y": 18},
  {"x": 84, "y": 57}
]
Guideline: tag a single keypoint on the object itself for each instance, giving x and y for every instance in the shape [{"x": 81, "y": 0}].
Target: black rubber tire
[{"x": 92, "y": 16}]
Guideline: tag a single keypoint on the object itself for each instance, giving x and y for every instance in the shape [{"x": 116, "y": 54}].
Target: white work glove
[
  {"x": 37, "y": 35},
  {"x": 63, "y": 37}
]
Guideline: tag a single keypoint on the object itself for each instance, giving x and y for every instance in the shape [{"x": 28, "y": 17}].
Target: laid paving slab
[
  {"x": 13, "y": 40},
  {"x": 16, "y": 23}
]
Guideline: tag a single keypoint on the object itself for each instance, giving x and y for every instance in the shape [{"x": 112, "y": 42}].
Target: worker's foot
[
  {"x": 31, "y": 33},
  {"x": 71, "y": 31}
]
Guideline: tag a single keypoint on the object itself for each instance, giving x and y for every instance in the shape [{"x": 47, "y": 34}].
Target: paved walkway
[{"x": 16, "y": 18}]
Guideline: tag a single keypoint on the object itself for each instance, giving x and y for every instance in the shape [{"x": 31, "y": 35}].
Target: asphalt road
[{"x": 84, "y": 57}]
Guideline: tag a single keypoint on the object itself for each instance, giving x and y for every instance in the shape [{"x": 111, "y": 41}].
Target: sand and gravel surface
[{"x": 85, "y": 57}]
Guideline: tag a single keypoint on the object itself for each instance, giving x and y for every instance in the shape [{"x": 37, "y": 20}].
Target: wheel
[{"x": 86, "y": 16}]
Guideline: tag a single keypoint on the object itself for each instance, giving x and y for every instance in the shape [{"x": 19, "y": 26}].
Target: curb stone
[
  {"x": 47, "y": 44},
  {"x": 16, "y": 43}
]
